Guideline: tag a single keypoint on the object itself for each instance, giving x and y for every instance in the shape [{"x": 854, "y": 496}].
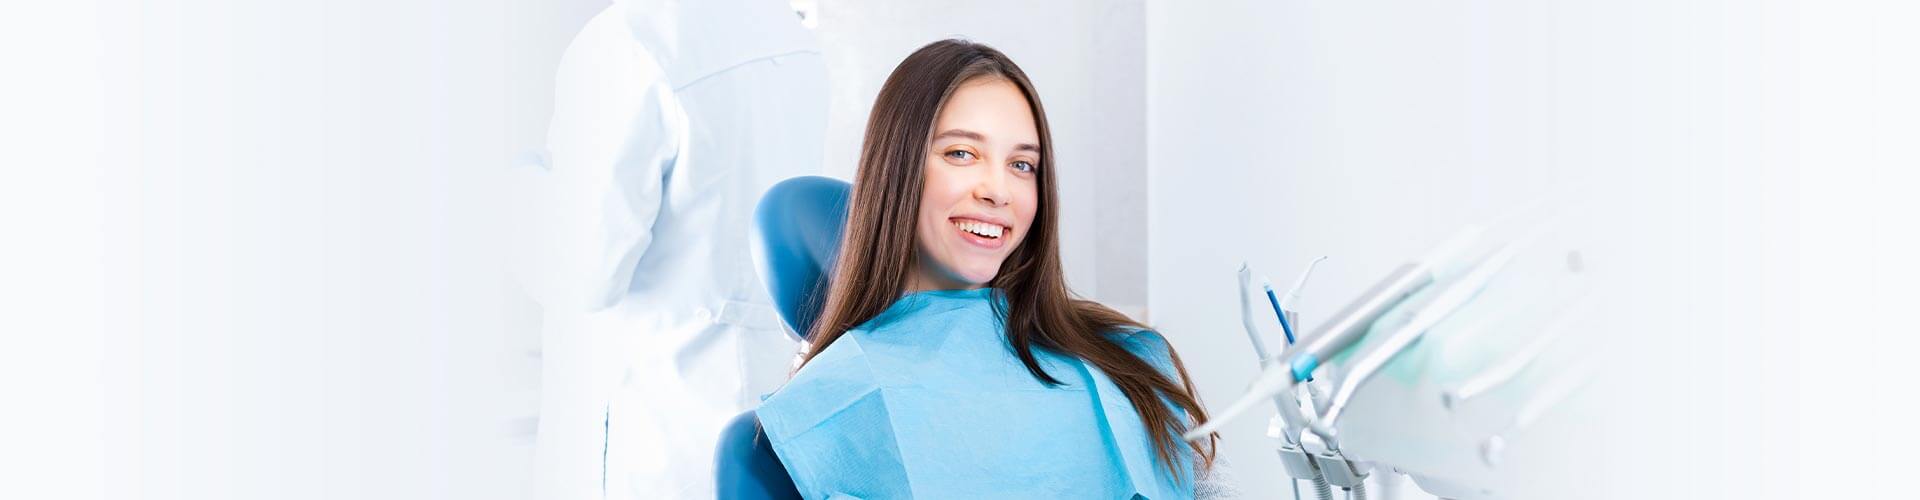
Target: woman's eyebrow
[
  {"x": 961, "y": 133},
  {"x": 978, "y": 137}
]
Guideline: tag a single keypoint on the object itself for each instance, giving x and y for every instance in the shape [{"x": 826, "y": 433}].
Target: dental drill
[
  {"x": 1292, "y": 454},
  {"x": 1308, "y": 446},
  {"x": 1345, "y": 329}
]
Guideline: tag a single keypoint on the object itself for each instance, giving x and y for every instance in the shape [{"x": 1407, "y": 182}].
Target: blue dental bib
[{"x": 927, "y": 400}]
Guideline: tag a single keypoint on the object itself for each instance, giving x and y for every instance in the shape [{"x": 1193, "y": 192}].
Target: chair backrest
[
  {"x": 796, "y": 235},
  {"x": 745, "y": 467}
]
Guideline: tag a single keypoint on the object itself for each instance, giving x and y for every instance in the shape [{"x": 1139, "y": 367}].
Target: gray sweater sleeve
[{"x": 1216, "y": 482}]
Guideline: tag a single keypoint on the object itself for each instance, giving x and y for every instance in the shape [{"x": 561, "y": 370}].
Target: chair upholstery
[{"x": 796, "y": 234}]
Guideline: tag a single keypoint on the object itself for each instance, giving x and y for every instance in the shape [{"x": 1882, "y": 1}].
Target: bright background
[
  {"x": 1371, "y": 132},
  {"x": 249, "y": 248}
]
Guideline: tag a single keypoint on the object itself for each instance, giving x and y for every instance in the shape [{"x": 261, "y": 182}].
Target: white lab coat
[{"x": 669, "y": 121}]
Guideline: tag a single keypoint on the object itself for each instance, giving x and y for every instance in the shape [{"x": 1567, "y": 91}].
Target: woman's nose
[{"x": 992, "y": 188}]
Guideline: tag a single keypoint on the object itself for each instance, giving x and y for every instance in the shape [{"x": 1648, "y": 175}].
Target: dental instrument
[
  {"x": 1285, "y": 326},
  {"x": 1293, "y": 454},
  {"x": 1349, "y": 325}
]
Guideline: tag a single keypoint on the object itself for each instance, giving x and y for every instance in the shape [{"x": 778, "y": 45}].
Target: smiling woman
[
  {"x": 950, "y": 359},
  {"x": 980, "y": 194}
]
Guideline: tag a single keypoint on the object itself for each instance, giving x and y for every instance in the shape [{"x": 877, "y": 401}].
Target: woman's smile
[{"x": 982, "y": 233}]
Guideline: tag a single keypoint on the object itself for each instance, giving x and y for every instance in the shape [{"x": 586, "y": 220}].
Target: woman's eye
[
  {"x": 960, "y": 154},
  {"x": 1023, "y": 167}
]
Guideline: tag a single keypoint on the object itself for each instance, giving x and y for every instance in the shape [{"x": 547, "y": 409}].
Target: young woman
[{"x": 950, "y": 360}]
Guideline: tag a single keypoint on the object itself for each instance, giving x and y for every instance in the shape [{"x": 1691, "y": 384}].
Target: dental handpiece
[
  {"x": 1286, "y": 326},
  {"x": 1291, "y": 302},
  {"x": 1342, "y": 331},
  {"x": 1452, "y": 258},
  {"x": 1282, "y": 401},
  {"x": 1446, "y": 298},
  {"x": 1347, "y": 327},
  {"x": 1246, "y": 319}
]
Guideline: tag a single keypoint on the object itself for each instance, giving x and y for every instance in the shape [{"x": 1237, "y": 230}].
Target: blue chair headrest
[
  {"x": 745, "y": 466},
  {"x": 796, "y": 236}
]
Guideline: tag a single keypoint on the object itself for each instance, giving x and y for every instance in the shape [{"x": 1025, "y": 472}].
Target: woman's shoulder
[
  {"x": 844, "y": 362},
  {"x": 855, "y": 366},
  {"x": 1139, "y": 339},
  {"x": 1149, "y": 346},
  {"x": 836, "y": 377}
]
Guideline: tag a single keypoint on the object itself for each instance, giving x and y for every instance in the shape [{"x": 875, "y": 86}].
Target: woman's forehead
[{"x": 989, "y": 110}]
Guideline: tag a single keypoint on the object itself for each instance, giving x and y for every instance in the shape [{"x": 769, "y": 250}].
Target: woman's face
[{"x": 981, "y": 187}]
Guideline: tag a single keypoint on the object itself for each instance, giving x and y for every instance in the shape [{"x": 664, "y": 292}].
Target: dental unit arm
[
  {"x": 1297, "y": 450},
  {"x": 1483, "y": 296},
  {"x": 1286, "y": 425},
  {"x": 1345, "y": 329}
]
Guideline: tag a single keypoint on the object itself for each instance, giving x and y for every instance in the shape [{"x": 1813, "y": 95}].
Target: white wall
[
  {"x": 1369, "y": 131},
  {"x": 1086, "y": 59},
  {"x": 302, "y": 300}
]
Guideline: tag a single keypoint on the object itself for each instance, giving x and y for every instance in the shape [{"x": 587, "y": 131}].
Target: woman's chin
[
  {"x": 959, "y": 270},
  {"x": 978, "y": 279}
]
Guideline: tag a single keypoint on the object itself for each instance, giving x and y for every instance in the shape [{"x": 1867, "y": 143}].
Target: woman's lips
[{"x": 969, "y": 230}]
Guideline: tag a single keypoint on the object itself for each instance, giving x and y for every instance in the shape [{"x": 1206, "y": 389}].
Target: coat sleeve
[{"x": 586, "y": 212}]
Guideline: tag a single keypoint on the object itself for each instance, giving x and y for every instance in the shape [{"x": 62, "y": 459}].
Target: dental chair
[{"x": 796, "y": 234}]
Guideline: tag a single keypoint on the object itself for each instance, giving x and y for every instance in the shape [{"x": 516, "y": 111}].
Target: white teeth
[{"x": 980, "y": 228}]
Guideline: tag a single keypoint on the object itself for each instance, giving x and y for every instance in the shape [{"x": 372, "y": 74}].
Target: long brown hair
[{"x": 878, "y": 252}]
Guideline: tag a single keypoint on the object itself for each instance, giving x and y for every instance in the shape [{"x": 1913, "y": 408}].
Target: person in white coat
[{"x": 670, "y": 120}]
